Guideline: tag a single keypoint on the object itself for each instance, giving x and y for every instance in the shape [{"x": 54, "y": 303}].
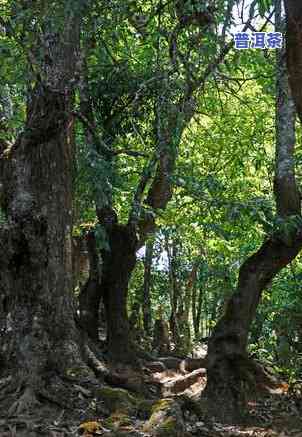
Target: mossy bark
[
  {"x": 166, "y": 420},
  {"x": 40, "y": 333}
]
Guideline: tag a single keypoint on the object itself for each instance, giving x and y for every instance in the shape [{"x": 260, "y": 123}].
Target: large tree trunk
[
  {"x": 118, "y": 263},
  {"x": 228, "y": 368},
  {"x": 39, "y": 333},
  {"x": 109, "y": 281},
  {"x": 227, "y": 354},
  {"x": 111, "y": 284}
]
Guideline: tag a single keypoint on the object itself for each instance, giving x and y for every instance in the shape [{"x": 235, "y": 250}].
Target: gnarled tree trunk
[
  {"x": 155, "y": 188},
  {"x": 228, "y": 366},
  {"x": 40, "y": 333}
]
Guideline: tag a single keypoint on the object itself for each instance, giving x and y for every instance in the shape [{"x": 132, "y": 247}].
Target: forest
[{"x": 150, "y": 218}]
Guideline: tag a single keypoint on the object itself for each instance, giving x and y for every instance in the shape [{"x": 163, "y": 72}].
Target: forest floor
[{"x": 159, "y": 399}]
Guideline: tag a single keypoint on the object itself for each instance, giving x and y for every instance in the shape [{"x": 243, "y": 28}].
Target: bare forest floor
[{"x": 158, "y": 399}]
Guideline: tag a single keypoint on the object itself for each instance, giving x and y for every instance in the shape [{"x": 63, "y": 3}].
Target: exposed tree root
[
  {"x": 68, "y": 383},
  {"x": 155, "y": 366},
  {"x": 98, "y": 366},
  {"x": 174, "y": 364},
  {"x": 57, "y": 408},
  {"x": 237, "y": 380},
  {"x": 25, "y": 403},
  {"x": 53, "y": 399},
  {"x": 181, "y": 383}
]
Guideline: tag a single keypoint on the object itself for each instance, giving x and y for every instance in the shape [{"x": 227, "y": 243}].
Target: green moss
[
  {"x": 168, "y": 428},
  {"x": 162, "y": 404},
  {"x": 163, "y": 414},
  {"x": 118, "y": 399},
  {"x": 165, "y": 420},
  {"x": 117, "y": 420}
]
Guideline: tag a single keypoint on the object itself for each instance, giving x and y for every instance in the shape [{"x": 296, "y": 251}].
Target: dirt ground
[{"x": 142, "y": 403}]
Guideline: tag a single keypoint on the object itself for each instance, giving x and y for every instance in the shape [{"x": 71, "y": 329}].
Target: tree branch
[{"x": 101, "y": 146}]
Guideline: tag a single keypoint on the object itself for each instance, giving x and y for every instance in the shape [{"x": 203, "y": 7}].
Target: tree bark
[
  {"x": 161, "y": 338},
  {"x": 40, "y": 333},
  {"x": 147, "y": 318},
  {"x": 90, "y": 296},
  {"x": 80, "y": 261},
  {"x": 228, "y": 366},
  {"x": 118, "y": 264},
  {"x": 293, "y": 50}
]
